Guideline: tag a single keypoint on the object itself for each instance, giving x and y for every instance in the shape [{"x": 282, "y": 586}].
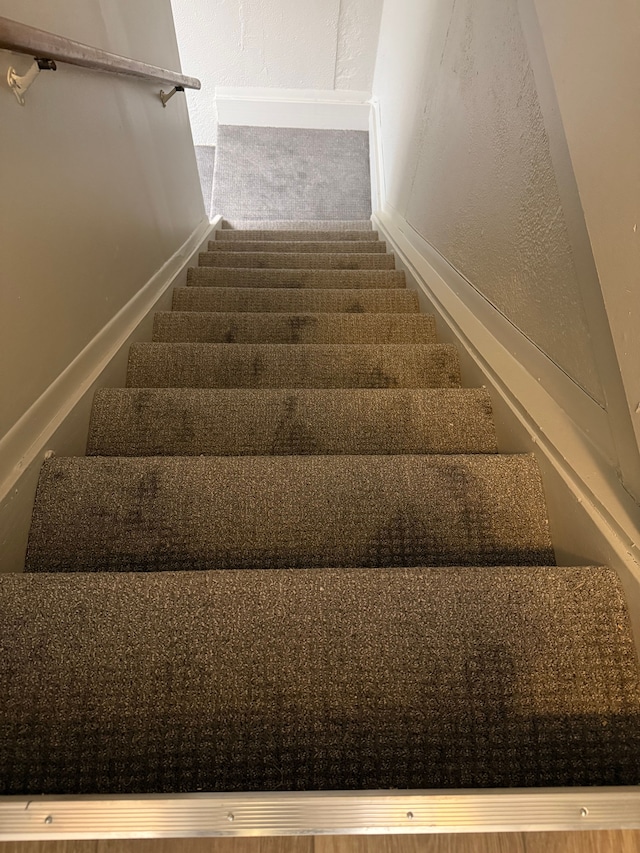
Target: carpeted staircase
[{"x": 293, "y": 559}]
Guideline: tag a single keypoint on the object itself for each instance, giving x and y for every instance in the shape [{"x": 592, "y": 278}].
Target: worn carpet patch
[
  {"x": 231, "y": 512},
  {"x": 221, "y": 422}
]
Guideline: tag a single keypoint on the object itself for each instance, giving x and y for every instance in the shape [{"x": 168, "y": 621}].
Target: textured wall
[
  {"x": 358, "y": 32},
  {"x": 287, "y": 44},
  {"x": 592, "y": 49},
  {"x": 467, "y": 163},
  {"x": 99, "y": 189}
]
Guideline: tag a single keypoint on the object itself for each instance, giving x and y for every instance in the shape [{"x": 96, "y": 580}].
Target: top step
[
  {"x": 298, "y": 224},
  {"x": 228, "y": 236}
]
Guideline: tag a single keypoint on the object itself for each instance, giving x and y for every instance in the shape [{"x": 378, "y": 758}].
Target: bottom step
[{"x": 318, "y": 679}]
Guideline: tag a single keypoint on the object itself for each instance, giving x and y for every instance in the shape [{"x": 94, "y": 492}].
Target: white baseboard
[
  {"x": 303, "y": 108},
  {"x": 58, "y": 420}
]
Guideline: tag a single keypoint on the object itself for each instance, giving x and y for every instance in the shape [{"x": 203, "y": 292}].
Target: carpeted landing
[
  {"x": 293, "y": 559},
  {"x": 284, "y": 173}
]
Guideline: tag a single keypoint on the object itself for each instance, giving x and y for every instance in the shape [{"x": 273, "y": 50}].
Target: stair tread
[
  {"x": 227, "y": 235},
  {"x": 284, "y": 299},
  {"x": 302, "y": 278},
  {"x": 298, "y": 260},
  {"x": 315, "y": 246},
  {"x": 221, "y": 422},
  {"x": 289, "y": 328},
  {"x": 162, "y": 365},
  {"x": 169, "y": 513},
  {"x": 410, "y": 678}
]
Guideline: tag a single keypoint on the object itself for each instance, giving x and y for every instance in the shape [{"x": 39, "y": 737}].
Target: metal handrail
[{"x": 47, "y": 48}]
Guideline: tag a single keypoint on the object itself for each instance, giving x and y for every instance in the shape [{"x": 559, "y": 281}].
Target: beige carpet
[{"x": 294, "y": 559}]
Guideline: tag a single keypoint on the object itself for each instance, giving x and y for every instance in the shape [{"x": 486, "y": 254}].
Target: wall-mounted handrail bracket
[
  {"x": 30, "y": 41},
  {"x": 164, "y": 98},
  {"x": 20, "y": 84}
]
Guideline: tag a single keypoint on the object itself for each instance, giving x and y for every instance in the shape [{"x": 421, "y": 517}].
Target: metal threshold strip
[{"x": 318, "y": 813}]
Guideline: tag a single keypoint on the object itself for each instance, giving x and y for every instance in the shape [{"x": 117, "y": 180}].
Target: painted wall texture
[
  {"x": 592, "y": 50},
  {"x": 468, "y": 165},
  {"x": 99, "y": 189},
  {"x": 281, "y": 44}
]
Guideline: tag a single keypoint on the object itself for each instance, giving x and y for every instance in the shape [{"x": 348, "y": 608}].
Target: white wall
[
  {"x": 99, "y": 188},
  {"x": 506, "y": 137},
  {"x": 475, "y": 176},
  {"x": 475, "y": 162},
  {"x": 592, "y": 51},
  {"x": 277, "y": 44}
]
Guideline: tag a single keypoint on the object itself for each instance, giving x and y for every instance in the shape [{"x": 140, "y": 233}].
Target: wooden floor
[{"x": 540, "y": 842}]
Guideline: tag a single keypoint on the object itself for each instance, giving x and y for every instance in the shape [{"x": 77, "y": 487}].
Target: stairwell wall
[
  {"x": 100, "y": 195},
  {"x": 507, "y": 184},
  {"x": 591, "y": 51}
]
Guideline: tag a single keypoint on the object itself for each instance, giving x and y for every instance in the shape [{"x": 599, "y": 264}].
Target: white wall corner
[
  {"x": 376, "y": 158},
  {"x": 301, "y": 108}
]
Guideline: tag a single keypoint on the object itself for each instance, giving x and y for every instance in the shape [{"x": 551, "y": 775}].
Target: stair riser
[
  {"x": 313, "y": 278},
  {"x": 292, "y": 366},
  {"x": 267, "y": 423},
  {"x": 315, "y": 247},
  {"x": 172, "y": 326},
  {"x": 292, "y": 260},
  {"x": 287, "y": 512},
  {"x": 281, "y": 300}
]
